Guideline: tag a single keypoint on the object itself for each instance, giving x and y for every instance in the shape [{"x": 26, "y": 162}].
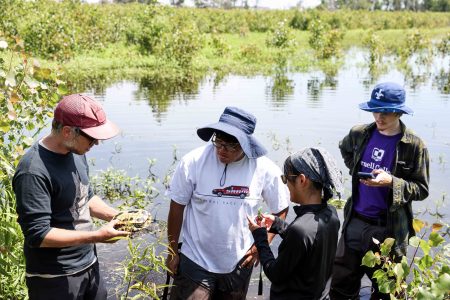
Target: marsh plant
[
  {"x": 324, "y": 40},
  {"x": 281, "y": 36},
  {"x": 124, "y": 191},
  {"x": 417, "y": 47},
  {"x": 27, "y": 96},
  {"x": 426, "y": 275},
  {"x": 139, "y": 270},
  {"x": 377, "y": 50}
]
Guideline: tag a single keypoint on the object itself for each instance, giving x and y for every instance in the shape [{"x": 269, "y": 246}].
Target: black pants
[
  {"x": 347, "y": 268},
  {"x": 194, "y": 282},
  {"x": 86, "y": 285}
]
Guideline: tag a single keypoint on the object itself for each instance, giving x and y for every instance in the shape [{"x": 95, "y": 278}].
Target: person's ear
[
  {"x": 302, "y": 178},
  {"x": 66, "y": 131}
]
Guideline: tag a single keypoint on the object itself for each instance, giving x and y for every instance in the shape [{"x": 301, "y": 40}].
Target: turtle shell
[{"x": 132, "y": 220}]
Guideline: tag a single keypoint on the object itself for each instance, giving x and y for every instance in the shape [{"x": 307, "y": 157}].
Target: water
[{"x": 294, "y": 110}]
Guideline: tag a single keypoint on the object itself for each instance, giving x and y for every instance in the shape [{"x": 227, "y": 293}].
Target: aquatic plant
[
  {"x": 324, "y": 40},
  {"x": 281, "y": 36},
  {"x": 139, "y": 270},
  {"x": 426, "y": 275}
]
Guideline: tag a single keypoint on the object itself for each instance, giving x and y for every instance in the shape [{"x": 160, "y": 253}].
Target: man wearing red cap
[{"x": 55, "y": 203}]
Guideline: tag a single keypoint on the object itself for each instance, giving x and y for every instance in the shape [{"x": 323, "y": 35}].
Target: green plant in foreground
[
  {"x": 27, "y": 96},
  {"x": 421, "y": 277},
  {"x": 143, "y": 263}
]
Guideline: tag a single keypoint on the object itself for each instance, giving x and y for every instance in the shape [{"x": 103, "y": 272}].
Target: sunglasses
[
  {"x": 284, "y": 178},
  {"x": 88, "y": 137},
  {"x": 229, "y": 147}
]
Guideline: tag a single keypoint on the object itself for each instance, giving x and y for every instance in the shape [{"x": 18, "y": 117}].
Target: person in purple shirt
[{"x": 379, "y": 207}]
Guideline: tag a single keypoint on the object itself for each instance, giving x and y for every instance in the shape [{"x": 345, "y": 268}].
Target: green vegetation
[
  {"x": 168, "y": 51},
  {"x": 426, "y": 275},
  {"x": 28, "y": 94},
  {"x": 108, "y": 42}
]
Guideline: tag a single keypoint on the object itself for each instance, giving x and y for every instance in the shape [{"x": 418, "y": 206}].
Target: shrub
[
  {"x": 28, "y": 94},
  {"x": 324, "y": 40},
  {"x": 422, "y": 277},
  {"x": 281, "y": 36}
]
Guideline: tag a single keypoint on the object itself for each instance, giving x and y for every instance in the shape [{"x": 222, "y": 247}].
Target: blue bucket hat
[
  {"x": 240, "y": 124},
  {"x": 387, "y": 97}
]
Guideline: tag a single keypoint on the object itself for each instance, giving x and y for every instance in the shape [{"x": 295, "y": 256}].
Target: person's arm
[
  {"x": 252, "y": 257},
  {"x": 99, "y": 209},
  {"x": 346, "y": 148},
  {"x": 415, "y": 185},
  {"x": 174, "y": 224},
  {"x": 282, "y": 215},
  {"x": 281, "y": 268},
  {"x": 59, "y": 238}
]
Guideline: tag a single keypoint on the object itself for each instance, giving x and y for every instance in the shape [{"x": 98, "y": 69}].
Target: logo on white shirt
[{"x": 377, "y": 154}]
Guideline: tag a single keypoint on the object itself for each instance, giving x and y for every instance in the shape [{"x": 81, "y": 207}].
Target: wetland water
[{"x": 294, "y": 110}]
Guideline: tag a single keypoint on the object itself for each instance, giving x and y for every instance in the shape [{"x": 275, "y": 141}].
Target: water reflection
[
  {"x": 442, "y": 81},
  {"x": 316, "y": 85},
  {"x": 159, "y": 92},
  {"x": 302, "y": 109}
]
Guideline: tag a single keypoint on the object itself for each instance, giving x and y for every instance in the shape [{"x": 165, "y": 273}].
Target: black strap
[
  {"x": 260, "y": 284},
  {"x": 166, "y": 288}
]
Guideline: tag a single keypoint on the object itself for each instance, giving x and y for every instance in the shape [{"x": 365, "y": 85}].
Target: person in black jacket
[{"x": 304, "y": 264}]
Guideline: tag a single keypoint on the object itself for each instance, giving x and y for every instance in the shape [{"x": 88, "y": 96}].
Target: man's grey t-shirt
[{"x": 52, "y": 190}]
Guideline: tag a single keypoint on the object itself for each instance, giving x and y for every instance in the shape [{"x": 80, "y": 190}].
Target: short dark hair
[
  {"x": 56, "y": 126},
  {"x": 228, "y": 138}
]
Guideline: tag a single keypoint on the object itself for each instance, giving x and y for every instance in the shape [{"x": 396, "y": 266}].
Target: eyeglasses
[
  {"x": 284, "y": 178},
  {"x": 229, "y": 147},
  {"x": 91, "y": 140}
]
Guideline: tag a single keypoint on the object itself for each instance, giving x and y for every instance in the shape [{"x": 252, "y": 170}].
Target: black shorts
[
  {"x": 87, "y": 284},
  {"x": 194, "y": 282}
]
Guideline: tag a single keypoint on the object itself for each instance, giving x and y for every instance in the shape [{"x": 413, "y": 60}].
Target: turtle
[{"x": 132, "y": 220}]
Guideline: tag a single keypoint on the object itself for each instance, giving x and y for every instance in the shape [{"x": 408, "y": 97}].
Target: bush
[
  {"x": 324, "y": 40},
  {"x": 281, "y": 36},
  {"x": 28, "y": 94},
  {"x": 422, "y": 277}
]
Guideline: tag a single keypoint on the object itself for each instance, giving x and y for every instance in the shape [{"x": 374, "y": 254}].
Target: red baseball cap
[{"x": 87, "y": 114}]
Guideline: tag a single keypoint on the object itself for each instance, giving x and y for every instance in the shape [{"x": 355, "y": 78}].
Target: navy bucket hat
[
  {"x": 387, "y": 97},
  {"x": 240, "y": 124}
]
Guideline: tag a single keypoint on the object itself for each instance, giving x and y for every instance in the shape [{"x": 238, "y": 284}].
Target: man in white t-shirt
[{"x": 213, "y": 189}]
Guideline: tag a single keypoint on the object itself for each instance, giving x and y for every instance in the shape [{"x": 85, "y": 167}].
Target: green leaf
[
  {"x": 386, "y": 285},
  {"x": 380, "y": 275},
  {"x": 399, "y": 272},
  {"x": 405, "y": 266},
  {"x": 425, "y": 262},
  {"x": 11, "y": 79},
  {"x": 62, "y": 89},
  {"x": 425, "y": 247},
  {"x": 423, "y": 294},
  {"x": 444, "y": 282},
  {"x": 28, "y": 141},
  {"x": 435, "y": 239},
  {"x": 386, "y": 246},
  {"x": 414, "y": 241},
  {"x": 31, "y": 82},
  {"x": 370, "y": 259}
]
